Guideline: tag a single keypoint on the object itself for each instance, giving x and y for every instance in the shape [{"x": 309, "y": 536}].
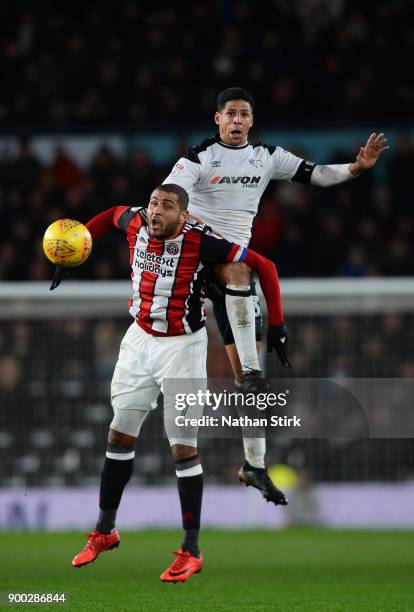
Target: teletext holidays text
[{"x": 150, "y": 262}]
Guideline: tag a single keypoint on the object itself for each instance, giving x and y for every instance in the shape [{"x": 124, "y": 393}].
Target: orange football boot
[
  {"x": 184, "y": 566},
  {"x": 97, "y": 543}
]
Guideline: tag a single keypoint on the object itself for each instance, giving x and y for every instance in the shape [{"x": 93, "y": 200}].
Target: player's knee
[
  {"x": 182, "y": 451},
  {"x": 116, "y": 438},
  {"x": 233, "y": 273}
]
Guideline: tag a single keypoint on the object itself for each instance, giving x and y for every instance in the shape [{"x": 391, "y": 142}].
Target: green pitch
[{"x": 295, "y": 569}]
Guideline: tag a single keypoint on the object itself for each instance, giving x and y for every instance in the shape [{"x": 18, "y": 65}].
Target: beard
[{"x": 163, "y": 231}]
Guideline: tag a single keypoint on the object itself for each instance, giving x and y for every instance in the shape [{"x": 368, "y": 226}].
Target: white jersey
[{"x": 225, "y": 183}]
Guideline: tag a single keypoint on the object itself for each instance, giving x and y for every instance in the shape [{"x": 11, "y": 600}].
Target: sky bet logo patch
[{"x": 244, "y": 180}]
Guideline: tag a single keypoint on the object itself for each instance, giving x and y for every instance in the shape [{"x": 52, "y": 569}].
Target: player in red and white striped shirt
[
  {"x": 169, "y": 256},
  {"x": 169, "y": 273}
]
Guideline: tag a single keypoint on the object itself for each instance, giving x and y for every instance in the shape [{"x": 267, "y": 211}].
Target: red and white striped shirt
[{"x": 169, "y": 276}]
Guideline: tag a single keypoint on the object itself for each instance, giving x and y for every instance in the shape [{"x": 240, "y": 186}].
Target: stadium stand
[{"x": 100, "y": 64}]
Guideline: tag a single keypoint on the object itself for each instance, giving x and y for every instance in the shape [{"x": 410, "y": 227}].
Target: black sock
[
  {"x": 251, "y": 468},
  {"x": 115, "y": 475},
  {"x": 190, "y": 490},
  {"x": 190, "y": 542}
]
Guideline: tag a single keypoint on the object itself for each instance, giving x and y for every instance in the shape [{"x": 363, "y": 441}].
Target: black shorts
[{"x": 217, "y": 294}]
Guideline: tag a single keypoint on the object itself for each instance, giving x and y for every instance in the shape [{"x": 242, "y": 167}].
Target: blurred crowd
[
  {"x": 361, "y": 228},
  {"x": 131, "y": 63}
]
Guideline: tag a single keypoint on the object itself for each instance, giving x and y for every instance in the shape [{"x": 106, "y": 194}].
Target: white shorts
[{"x": 144, "y": 362}]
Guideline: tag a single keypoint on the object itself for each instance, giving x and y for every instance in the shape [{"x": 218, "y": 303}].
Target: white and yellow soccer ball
[{"x": 67, "y": 242}]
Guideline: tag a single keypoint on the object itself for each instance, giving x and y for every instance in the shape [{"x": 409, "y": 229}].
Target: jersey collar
[{"x": 217, "y": 139}]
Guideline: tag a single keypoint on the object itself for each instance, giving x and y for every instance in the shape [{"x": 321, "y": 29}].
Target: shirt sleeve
[
  {"x": 269, "y": 282},
  {"x": 284, "y": 164},
  {"x": 334, "y": 174},
  {"x": 117, "y": 216},
  {"x": 214, "y": 249},
  {"x": 186, "y": 173}
]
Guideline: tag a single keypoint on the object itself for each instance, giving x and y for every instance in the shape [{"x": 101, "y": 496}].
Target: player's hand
[
  {"x": 198, "y": 220},
  {"x": 369, "y": 154},
  {"x": 57, "y": 277},
  {"x": 277, "y": 339}
]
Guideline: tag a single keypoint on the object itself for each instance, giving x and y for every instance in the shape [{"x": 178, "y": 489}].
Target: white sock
[
  {"x": 254, "y": 451},
  {"x": 240, "y": 311}
]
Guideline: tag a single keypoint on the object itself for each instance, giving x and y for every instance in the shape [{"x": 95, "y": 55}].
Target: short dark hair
[
  {"x": 233, "y": 93},
  {"x": 180, "y": 192}
]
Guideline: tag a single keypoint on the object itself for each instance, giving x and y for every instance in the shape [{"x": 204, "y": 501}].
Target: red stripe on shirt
[
  {"x": 132, "y": 234},
  {"x": 184, "y": 274},
  {"x": 147, "y": 286}
]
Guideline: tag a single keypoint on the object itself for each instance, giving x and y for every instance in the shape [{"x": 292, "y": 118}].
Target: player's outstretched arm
[
  {"x": 369, "y": 154},
  {"x": 104, "y": 221},
  {"x": 277, "y": 333}
]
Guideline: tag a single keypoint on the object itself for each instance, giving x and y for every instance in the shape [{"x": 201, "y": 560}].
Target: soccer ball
[{"x": 67, "y": 242}]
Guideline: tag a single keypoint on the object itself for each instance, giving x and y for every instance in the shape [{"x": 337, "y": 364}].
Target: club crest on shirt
[
  {"x": 257, "y": 163},
  {"x": 172, "y": 248}
]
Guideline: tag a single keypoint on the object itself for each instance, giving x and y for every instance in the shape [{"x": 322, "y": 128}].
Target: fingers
[
  {"x": 285, "y": 361},
  {"x": 281, "y": 354},
  {"x": 380, "y": 140},
  {"x": 283, "y": 358},
  {"x": 375, "y": 146},
  {"x": 377, "y": 141},
  {"x": 381, "y": 143}
]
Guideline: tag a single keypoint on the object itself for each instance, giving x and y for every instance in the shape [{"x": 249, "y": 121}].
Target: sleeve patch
[
  {"x": 240, "y": 254},
  {"x": 237, "y": 253}
]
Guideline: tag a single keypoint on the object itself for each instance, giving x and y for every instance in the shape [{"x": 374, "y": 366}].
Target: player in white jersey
[{"x": 225, "y": 177}]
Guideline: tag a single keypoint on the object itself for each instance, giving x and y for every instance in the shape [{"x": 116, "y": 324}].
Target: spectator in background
[
  {"x": 64, "y": 169},
  {"x": 267, "y": 227},
  {"x": 24, "y": 170},
  {"x": 140, "y": 172}
]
